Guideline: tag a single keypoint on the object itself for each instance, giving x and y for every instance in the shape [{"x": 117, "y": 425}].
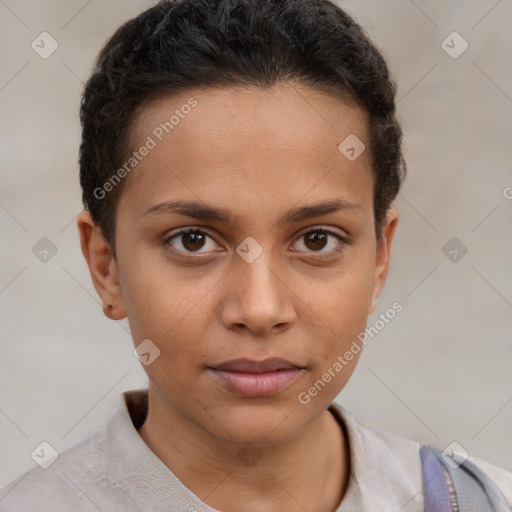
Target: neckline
[{"x": 137, "y": 406}]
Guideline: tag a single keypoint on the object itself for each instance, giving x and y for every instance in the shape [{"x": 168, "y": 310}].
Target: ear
[
  {"x": 102, "y": 266},
  {"x": 383, "y": 255}
]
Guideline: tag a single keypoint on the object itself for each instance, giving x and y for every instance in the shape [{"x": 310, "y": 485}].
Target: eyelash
[{"x": 342, "y": 242}]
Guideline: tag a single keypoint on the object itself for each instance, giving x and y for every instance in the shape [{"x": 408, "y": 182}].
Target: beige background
[{"x": 440, "y": 371}]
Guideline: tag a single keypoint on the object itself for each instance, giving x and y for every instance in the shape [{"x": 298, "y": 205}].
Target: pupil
[
  {"x": 318, "y": 240},
  {"x": 193, "y": 241}
]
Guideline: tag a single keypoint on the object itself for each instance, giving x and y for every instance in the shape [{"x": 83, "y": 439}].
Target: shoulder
[
  {"x": 31, "y": 490},
  {"x": 71, "y": 482},
  {"x": 502, "y": 478},
  {"x": 384, "y": 460}
]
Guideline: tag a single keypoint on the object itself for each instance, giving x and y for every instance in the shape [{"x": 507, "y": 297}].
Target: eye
[
  {"x": 198, "y": 241},
  {"x": 321, "y": 240},
  {"x": 192, "y": 241}
]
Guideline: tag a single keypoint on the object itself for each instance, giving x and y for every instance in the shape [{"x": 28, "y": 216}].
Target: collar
[
  {"x": 129, "y": 464},
  {"x": 385, "y": 469}
]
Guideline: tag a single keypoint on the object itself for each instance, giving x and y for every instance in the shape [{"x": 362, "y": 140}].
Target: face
[{"x": 246, "y": 253}]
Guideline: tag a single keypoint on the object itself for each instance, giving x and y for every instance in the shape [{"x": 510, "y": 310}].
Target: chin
[{"x": 263, "y": 423}]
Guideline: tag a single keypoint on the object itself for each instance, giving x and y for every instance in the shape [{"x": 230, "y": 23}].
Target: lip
[{"x": 252, "y": 378}]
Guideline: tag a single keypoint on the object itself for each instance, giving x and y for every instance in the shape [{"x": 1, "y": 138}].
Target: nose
[{"x": 257, "y": 298}]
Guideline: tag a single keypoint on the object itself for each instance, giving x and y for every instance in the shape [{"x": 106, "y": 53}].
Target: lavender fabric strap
[
  {"x": 475, "y": 491},
  {"x": 435, "y": 489}
]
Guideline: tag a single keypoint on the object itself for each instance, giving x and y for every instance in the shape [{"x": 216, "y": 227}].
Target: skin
[{"x": 257, "y": 153}]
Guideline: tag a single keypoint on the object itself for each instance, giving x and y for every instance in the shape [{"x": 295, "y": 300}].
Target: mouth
[{"x": 249, "y": 378}]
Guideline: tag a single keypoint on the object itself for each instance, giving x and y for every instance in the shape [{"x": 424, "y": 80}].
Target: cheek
[
  {"x": 174, "y": 313},
  {"x": 338, "y": 311},
  {"x": 157, "y": 292},
  {"x": 344, "y": 298},
  {"x": 340, "y": 318},
  {"x": 155, "y": 300}
]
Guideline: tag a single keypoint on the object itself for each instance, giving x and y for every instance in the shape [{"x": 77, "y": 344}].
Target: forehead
[
  {"x": 250, "y": 139},
  {"x": 288, "y": 108}
]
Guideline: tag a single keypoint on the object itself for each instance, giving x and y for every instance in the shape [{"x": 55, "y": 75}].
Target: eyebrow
[{"x": 202, "y": 211}]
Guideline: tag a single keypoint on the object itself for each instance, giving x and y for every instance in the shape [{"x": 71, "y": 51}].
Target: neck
[{"x": 308, "y": 472}]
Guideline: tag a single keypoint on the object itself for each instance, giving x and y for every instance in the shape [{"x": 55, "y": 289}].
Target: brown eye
[
  {"x": 315, "y": 240},
  {"x": 192, "y": 241},
  {"x": 321, "y": 241}
]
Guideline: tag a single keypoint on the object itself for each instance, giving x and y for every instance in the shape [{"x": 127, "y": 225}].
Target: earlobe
[
  {"x": 102, "y": 266},
  {"x": 383, "y": 255}
]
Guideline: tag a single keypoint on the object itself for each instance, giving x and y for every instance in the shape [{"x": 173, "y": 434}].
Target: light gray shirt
[{"x": 114, "y": 470}]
